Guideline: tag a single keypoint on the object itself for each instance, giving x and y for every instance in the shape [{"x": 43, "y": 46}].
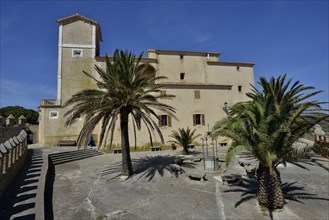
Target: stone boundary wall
[
  {"x": 8, "y": 132},
  {"x": 13, "y": 152}
]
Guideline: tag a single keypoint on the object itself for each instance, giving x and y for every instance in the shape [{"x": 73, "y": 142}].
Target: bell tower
[{"x": 78, "y": 45}]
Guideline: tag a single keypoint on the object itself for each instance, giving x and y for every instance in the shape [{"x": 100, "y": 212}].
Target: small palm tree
[
  {"x": 268, "y": 125},
  {"x": 183, "y": 137},
  {"x": 124, "y": 89}
]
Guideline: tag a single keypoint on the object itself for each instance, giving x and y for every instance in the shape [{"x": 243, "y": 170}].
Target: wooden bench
[
  {"x": 67, "y": 143},
  {"x": 196, "y": 159},
  {"x": 176, "y": 169},
  {"x": 116, "y": 150},
  {"x": 191, "y": 146},
  {"x": 178, "y": 161},
  {"x": 250, "y": 170},
  {"x": 194, "y": 175},
  {"x": 223, "y": 144},
  {"x": 156, "y": 148},
  {"x": 244, "y": 163},
  {"x": 232, "y": 179}
]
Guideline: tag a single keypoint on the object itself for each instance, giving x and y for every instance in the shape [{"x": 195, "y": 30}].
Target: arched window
[{"x": 149, "y": 69}]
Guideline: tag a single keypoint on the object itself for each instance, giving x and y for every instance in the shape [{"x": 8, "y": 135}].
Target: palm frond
[{"x": 270, "y": 123}]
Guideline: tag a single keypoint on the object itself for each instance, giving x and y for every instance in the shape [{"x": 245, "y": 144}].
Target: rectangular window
[
  {"x": 198, "y": 119},
  {"x": 240, "y": 88},
  {"x": 76, "y": 53},
  {"x": 163, "y": 92},
  {"x": 164, "y": 120},
  {"x": 237, "y": 68},
  {"x": 181, "y": 57},
  {"x": 182, "y": 76},
  {"x": 197, "y": 94},
  {"x": 53, "y": 114}
]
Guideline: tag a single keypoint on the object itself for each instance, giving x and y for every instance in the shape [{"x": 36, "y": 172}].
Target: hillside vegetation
[{"x": 17, "y": 111}]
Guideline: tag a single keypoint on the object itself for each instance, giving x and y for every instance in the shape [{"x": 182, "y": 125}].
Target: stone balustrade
[
  {"x": 12, "y": 157},
  {"x": 48, "y": 102}
]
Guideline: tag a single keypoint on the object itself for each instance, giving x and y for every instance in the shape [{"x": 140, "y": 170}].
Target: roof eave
[
  {"x": 82, "y": 18},
  {"x": 182, "y": 52},
  {"x": 221, "y": 63}
]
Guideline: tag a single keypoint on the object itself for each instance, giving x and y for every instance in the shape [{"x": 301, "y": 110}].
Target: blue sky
[{"x": 279, "y": 36}]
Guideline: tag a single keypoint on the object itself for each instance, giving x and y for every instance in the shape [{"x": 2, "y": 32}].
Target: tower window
[
  {"x": 53, "y": 114},
  {"x": 181, "y": 57},
  {"x": 182, "y": 76},
  {"x": 76, "y": 53},
  {"x": 238, "y": 68},
  {"x": 240, "y": 88}
]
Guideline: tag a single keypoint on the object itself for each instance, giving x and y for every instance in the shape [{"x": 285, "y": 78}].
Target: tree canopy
[
  {"x": 31, "y": 115},
  {"x": 124, "y": 91},
  {"x": 268, "y": 126}
]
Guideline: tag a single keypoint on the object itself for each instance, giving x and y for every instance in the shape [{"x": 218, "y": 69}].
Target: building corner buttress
[{"x": 59, "y": 66}]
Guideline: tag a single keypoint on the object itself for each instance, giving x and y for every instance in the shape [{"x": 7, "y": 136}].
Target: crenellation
[{"x": 12, "y": 156}]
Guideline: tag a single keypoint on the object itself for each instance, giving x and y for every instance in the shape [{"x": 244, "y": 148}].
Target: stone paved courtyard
[{"x": 92, "y": 189}]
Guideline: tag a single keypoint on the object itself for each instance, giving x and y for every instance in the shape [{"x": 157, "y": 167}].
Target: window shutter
[
  {"x": 197, "y": 94},
  {"x": 160, "y": 122},
  {"x": 194, "y": 120},
  {"x": 203, "y": 119},
  {"x": 169, "y": 120}
]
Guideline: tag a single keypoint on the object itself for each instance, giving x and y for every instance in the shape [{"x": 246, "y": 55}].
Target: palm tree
[
  {"x": 123, "y": 90},
  {"x": 183, "y": 137},
  {"x": 268, "y": 125}
]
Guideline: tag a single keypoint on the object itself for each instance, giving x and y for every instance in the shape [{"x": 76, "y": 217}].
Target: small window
[
  {"x": 163, "y": 92},
  {"x": 197, "y": 94},
  {"x": 198, "y": 119},
  {"x": 76, "y": 53},
  {"x": 181, "y": 57},
  {"x": 164, "y": 120},
  {"x": 53, "y": 114},
  {"x": 240, "y": 88},
  {"x": 237, "y": 68},
  {"x": 182, "y": 76}
]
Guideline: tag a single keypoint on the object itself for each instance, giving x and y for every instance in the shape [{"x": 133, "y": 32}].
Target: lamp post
[
  {"x": 204, "y": 158},
  {"x": 216, "y": 146},
  {"x": 213, "y": 151},
  {"x": 206, "y": 139},
  {"x": 225, "y": 109}
]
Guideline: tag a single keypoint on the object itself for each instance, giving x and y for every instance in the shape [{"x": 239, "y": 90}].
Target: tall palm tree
[
  {"x": 268, "y": 125},
  {"x": 124, "y": 89},
  {"x": 183, "y": 137}
]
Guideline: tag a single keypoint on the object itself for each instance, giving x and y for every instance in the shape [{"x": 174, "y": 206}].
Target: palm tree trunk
[
  {"x": 269, "y": 188},
  {"x": 126, "y": 160},
  {"x": 185, "y": 149}
]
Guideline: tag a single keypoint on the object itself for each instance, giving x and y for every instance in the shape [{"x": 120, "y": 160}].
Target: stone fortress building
[{"x": 201, "y": 82}]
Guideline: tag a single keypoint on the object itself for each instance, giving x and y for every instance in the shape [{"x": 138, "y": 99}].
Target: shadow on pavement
[
  {"x": 56, "y": 159},
  {"x": 291, "y": 191},
  {"x": 148, "y": 166},
  {"x": 18, "y": 201}
]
